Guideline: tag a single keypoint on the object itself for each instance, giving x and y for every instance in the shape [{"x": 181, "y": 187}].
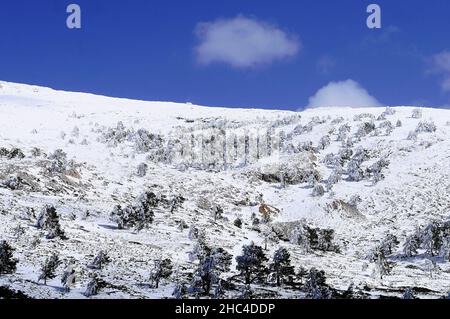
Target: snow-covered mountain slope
[{"x": 364, "y": 173}]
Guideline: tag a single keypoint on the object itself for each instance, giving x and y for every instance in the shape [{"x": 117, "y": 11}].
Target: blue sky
[{"x": 160, "y": 50}]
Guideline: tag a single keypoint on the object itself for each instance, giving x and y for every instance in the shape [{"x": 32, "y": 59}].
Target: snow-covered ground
[{"x": 105, "y": 145}]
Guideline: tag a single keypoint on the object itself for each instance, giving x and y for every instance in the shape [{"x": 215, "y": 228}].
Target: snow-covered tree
[
  {"x": 417, "y": 114},
  {"x": 251, "y": 263},
  {"x": 301, "y": 274},
  {"x": 68, "y": 278},
  {"x": 219, "y": 291},
  {"x": 383, "y": 265},
  {"x": 343, "y": 132},
  {"x": 94, "y": 286},
  {"x": 141, "y": 170},
  {"x": 49, "y": 267},
  {"x": 431, "y": 239},
  {"x": 49, "y": 220},
  {"x": 217, "y": 212},
  {"x": 431, "y": 267},
  {"x": 334, "y": 178},
  {"x": 411, "y": 245},
  {"x": 426, "y": 127},
  {"x": 312, "y": 180},
  {"x": 365, "y": 129},
  {"x": 211, "y": 266},
  {"x": 324, "y": 142},
  {"x": 315, "y": 286},
  {"x": 176, "y": 202},
  {"x": 389, "y": 244},
  {"x": 180, "y": 291},
  {"x": 281, "y": 266},
  {"x": 238, "y": 222},
  {"x": 139, "y": 215},
  {"x": 325, "y": 238},
  {"x": 8, "y": 263},
  {"x": 162, "y": 269},
  {"x": 101, "y": 260},
  {"x": 58, "y": 162},
  {"x": 354, "y": 171},
  {"x": 300, "y": 236},
  {"x": 318, "y": 191},
  {"x": 376, "y": 169},
  {"x": 387, "y": 126},
  {"x": 408, "y": 294}
]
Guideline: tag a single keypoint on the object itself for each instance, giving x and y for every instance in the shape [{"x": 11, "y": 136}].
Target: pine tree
[
  {"x": 251, "y": 263},
  {"x": 162, "y": 269},
  {"x": 411, "y": 245},
  {"x": 68, "y": 278},
  {"x": 100, "y": 260},
  {"x": 389, "y": 244},
  {"x": 49, "y": 220},
  {"x": 219, "y": 290},
  {"x": 179, "y": 291},
  {"x": 417, "y": 114},
  {"x": 48, "y": 269},
  {"x": 324, "y": 142},
  {"x": 354, "y": 172},
  {"x": 383, "y": 265},
  {"x": 217, "y": 212},
  {"x": 408, "y": 294},
  {"x": 300, "y": 236},
  {"x": 8, "y": 264},
  {"x": 94, "y": 286},
  {"x": 212, "y": 263},
  {"x": 141, "y": 170},
  {"x": 316, "y": 287},
  {"x": 318, "y": 191},
  {"x": 431, "y": 239},
  {"x": 139, "y": 215},
  {"x": 281, "y": 265},
  {"x": 238, "y": 222},
  {"x": 301, "y": 274}
]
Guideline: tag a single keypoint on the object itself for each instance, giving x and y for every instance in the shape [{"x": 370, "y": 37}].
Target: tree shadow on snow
[{"x": 110, "y": 227}]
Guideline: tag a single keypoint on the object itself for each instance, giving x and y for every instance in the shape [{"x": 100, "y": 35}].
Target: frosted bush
[
  {"x": 387, "y": 126},
  {"x": 318, "y": 191},
  {"x": 417, "y": 114},
  {"x": 364, "y": 129},
  {"x": 145, "y": 141},
  {"x": 361, "y": 116},
  {"x": 337, "y": 120},
  {"x": 343, "y": 131},
  {"x": 142, "y": 170},
  {"x": 426, "y": 127},
  {"x": 324, "y": 142}
]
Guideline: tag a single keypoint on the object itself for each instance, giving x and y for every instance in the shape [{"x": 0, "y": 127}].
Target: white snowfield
[{"x": 98, "y": 134}]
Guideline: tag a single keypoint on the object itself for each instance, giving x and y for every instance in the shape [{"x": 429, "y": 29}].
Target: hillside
[{"x": 336, "y": 187}]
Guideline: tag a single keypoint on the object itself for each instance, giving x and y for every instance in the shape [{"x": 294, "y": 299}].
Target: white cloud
[
  {"x": 242, "y": 42},
  {"x": 346, "y": 93},
  {"x": 440, "y": 64}
]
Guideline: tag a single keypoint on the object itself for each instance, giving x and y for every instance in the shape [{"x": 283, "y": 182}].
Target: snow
[{"x": 415, "y": 191}]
